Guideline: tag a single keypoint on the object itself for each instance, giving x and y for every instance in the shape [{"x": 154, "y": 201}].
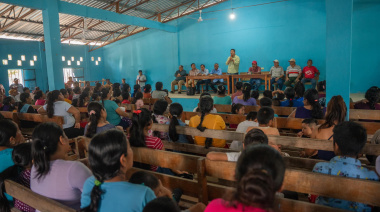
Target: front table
[
  {"x": 265, "y": 77},
  {"x": 211, "y": 77}
]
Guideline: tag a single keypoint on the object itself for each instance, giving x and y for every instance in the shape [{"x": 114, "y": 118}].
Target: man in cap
[
  {"x": 255, "y": 69},
  {"x": 293, "y": 73},
  {"x": 19, "y": 87},
  {"x": 277, "y": 73}
]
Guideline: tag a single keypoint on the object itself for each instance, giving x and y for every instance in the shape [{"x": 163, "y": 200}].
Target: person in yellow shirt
[{"x": 207, "y": 121}]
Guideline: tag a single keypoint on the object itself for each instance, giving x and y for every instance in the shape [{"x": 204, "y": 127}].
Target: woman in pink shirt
[
  {"x": 40, "y": 98},
  {"x": 259, "y": 174}
]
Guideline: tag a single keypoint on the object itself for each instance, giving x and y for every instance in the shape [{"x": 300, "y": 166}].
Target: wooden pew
[
  {"x": 281, "y": 111},
  {"x": 286, "y": 141},
  {"x": 34, "y": 200},
  {"x": 364, "y": 191},
  {"x": 10, "y": 115},
  {"x": 196, "y": 188},
  {"x": 357, "y": 114},
  {"x": 38, "y": 118}
]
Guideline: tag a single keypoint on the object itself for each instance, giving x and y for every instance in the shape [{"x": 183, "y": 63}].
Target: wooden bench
[
  {"x": 32, "y": 199},
  {"x": 364, "y": 191},
  {"x": 199, "y": 188},
  {"x": 281, "y": 111}
]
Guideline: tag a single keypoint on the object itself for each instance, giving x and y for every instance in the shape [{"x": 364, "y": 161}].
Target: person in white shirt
[
  {"x": 242, "y": 127},
  {"x": 277, "y": 74},
  {"x": 203, "y": 72},
  {"x": 293, "y": 73},
  {"x": 141, "y": 79},
  {"x": 253, "y": 137},
  {"x": 193, "y": 72}
]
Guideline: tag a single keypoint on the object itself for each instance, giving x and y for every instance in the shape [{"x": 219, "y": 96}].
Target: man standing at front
[
  {"x": 277, "y": 73},
  {"x": 203, "y": 72},
  {"x": 255, "y": 82},
  {"x": 233, "y": 62},
  {"x": 309, "y": 73},
  {"x": 19, "y": 87},
  {"x": 293, "y": 73},
  {"x": 180, "y": 78},
  {"x": 141, "y": 79},
  {"x": 216, "y": 71}
]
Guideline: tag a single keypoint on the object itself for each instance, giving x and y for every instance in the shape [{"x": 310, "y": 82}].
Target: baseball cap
[
  {"x": 254, "y": 62},
  {"x": 275, "y": 61},
  {"x": 292, "y": 60}
]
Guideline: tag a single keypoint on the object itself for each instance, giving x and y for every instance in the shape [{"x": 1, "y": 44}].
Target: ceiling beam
[
  {"x": 95, "y": 13},
  {"x": 17, "y": 20}
]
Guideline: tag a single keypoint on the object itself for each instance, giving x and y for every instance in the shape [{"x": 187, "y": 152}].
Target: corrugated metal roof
[{"x": 30, "y": 26}]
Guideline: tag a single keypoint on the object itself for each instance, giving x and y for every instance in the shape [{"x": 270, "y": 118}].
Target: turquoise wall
[{"x": 30, "y": 48}]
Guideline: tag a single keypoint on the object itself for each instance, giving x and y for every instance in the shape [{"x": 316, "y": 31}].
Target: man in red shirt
[
  {"x": 255, "y": 69},
  {"x": 309, "y": 73}
]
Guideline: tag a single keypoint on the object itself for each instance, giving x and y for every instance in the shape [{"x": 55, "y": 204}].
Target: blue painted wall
[{"x": 30, "y": 48}]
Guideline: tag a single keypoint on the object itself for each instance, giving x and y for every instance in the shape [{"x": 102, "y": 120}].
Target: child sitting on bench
[
  {"x": 349, "y": 140},
  {"x": 242, "y": 127},
  {"x": 265, "y": 118},
  {"x": 308, "y": 126}
]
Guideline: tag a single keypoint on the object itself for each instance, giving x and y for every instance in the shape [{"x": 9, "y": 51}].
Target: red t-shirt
[
  {"x": 153, "y": 143},
  {"x": 219, "y": 205},
  {"x": 125, "y": 102},
  {"x": 309, "y": 72}
]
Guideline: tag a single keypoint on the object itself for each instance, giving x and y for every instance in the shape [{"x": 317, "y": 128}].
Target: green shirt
[
  {"x": 233, "y": 66},
  {"x": 112, "y": 116},
  {"x": 222, "y": 100}
]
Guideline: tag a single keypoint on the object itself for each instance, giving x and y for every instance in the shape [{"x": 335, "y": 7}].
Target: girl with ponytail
[
  {"x": 176, "y": 110},
  {"x": 222, "y": 98},
  {"x": 110, "y": 157},
  {"x": 139, "y": 136},
  {"x": 246, "y": 98},
  {"x": 84, "y": 99},
  {"x": 56, "y": 106},
  {"x": 371, "y": 101},
  {"x": 19, "y": 172},
  {"x": 51, "y": 172},
  {"x": 159, "y": 109},
  {"x": 207, "y": 121},
  {"x": 113, "y": 110},
  {"x": 97, "y": 120},
  {"x": 259, "y": 175},
  {"x": 311, "y": 108}
]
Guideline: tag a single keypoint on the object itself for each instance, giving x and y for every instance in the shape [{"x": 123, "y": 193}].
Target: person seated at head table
[
  {"x": 216, "y": 71},
  {"x": 203, "y": 72},
  {"x": 260, "y": 168},
  {"x": 293, "y": 73},
  {"x": 193, "y": 72},
  {"x": 180, "y": 78},
  {"x": 242, "y": 127},
  {"x": 310, "y": 73},
  {"x": 255, "y": 82},
  {"x": 349, "y": 140},
  {"x": 245, "y": 98},
  {"x": 265, "y": 117},
  {"x": 277, "y": 73}
]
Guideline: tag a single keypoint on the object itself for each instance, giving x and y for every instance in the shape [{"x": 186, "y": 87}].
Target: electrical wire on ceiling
[{"x": 254, "y": 5}]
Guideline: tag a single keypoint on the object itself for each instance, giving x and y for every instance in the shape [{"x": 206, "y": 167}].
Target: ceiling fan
[{"x": 200, "y": 19}]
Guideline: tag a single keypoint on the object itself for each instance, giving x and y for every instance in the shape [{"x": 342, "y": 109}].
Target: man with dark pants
[
  {"x": 203, "y": 72},
  {"x": 277, "y": 73},
  {"x": 232, "y": 62},
  {"x": 216, "y": 71}
]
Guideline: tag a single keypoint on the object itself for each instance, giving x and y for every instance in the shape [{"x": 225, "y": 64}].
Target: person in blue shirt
[
  {"x": 291, "y": 100},
  {"x": 216, "y": 71},
  {"x": 349, "y": 139},
  {"x": 110, "y": 157}
]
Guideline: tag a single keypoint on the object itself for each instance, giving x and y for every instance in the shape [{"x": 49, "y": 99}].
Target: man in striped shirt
[{"x": 293, "y": 73}]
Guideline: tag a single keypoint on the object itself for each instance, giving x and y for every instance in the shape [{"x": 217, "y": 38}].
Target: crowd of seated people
[{"x": 97, "y": 183}]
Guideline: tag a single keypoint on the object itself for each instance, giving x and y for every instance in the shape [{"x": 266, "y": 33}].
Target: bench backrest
[
  {"x": 281, "y": 111},
  {"x": 34, "y": 200},
  {"x": 351, "y": 189},
  {"x": 365, "y": 114},
  {"x": 40, "y": 118}
]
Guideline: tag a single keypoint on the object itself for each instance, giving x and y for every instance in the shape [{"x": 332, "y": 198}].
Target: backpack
[{"x": 190, "y": 91}]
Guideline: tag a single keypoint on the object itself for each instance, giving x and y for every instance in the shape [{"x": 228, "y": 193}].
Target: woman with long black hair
[
  {"x": 113, "y": 110},
  {"x": 56, "y": 106},
  {"x": 97, "y": 120},
  {"x": 110, "y": 157},
  {"x": 52, "y": 176},
  {"x": 245, "y": 99},
  {"x": 311, "y": 108},
  {"x": 175, "y": 111}
]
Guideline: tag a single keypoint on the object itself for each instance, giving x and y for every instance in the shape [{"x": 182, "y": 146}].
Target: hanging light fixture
[
  {"x": 99, "y": 59},
  {"x": 72, "y": 58},
  {"x": 69, "y": 62},
  {"x": 19, "y": 63},
  {"x": 23, "y": 57},
  {"x": 232, "y": 14},
  {"x": 78, "y": 63},
  {"x": 81, "y": 59},
  {"x": 96, "y": 63}
]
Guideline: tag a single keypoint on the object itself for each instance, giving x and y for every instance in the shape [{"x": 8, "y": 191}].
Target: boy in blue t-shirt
[{"x": 349, "y": 140}]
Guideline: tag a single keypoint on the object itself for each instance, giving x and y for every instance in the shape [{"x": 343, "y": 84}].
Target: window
[
  {"x": 26, "y": 77},
  {"x": 75, "y": 73},
  {"x": 15, "y": 73}
]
